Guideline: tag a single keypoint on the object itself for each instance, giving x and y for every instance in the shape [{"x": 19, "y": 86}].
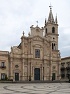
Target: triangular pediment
[{"x": 16, "y": 50}]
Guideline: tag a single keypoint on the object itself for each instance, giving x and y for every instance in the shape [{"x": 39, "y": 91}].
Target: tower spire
[
  {"x": 45, "y": 21},
  {"x": 50, "y": 18},
  {"x": 56, "y": 19}
]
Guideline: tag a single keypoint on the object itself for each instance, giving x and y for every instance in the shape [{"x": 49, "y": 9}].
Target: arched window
[
  {"x": 46, "y": 31},
  {"x": 53, "y": 29},
  {"x": 37, "y": 53},
  {"x": 52, "y": 46}
]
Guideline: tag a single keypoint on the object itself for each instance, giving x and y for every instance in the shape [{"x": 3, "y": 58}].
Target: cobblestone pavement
[{"x": 32, "y": 88}]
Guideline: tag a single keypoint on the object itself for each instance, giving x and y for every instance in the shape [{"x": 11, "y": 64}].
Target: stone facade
[
  {"x": 4, "y": 64},
  {"x": 65, "y": 68},
  {"x": 37, "y": 56}
]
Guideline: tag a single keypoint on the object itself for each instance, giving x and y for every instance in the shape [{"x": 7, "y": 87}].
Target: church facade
[{"x": 37, "y": 56}]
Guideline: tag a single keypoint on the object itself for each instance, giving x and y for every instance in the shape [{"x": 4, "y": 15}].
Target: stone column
[
  {"x": 11, "y": 69},
  {"x": 23, "y": 69},
  {"x": 30, "y": 71},
  {"x": 42, "y": 73},
  {"x": 59, "y": 71}
]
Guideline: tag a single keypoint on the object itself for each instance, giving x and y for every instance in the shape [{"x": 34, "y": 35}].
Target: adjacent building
[
  {"x": 36, "y": 57},
  {"x": 65, "y": 68}
]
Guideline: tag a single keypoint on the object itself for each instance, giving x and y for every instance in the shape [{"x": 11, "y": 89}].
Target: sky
[{"x": 17, "y": 16}]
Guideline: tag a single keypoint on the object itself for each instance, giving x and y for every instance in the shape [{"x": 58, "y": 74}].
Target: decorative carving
[
  {"x": 54, "y": 67},
  {"x": 37, "y": 30},
  {"x": 37, "y": 38},
  {"x": 16, "y": 66}
]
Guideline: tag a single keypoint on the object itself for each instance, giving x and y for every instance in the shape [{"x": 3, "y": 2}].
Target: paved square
[{"x": 35, "y": 88}]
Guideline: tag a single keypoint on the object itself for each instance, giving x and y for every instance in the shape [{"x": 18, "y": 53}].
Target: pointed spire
[
  {"x": 45, "y": 21},
  {"x": 56, "y": 19},
  {"x": 50, "y": 18}
]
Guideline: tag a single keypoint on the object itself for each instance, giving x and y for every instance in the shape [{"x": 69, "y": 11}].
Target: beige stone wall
[
  {"x": 4, "y": 57},
  {"x": 36, "y": 31},
  {"x": 24, "y": 55}
]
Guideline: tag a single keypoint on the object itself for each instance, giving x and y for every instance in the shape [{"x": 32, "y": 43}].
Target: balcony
[
  {"x": 3, "y": 67},
  {"x": 62, "y": 75},
  {"x": 68, "y": 75},
  {"x": 68, "y": 68},
  {"x": 62, "y": 68}
]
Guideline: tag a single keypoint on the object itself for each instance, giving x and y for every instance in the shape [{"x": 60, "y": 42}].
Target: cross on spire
[
  {"x": 37, "y": 23},
  {"x": 23, "y": 33},
  {"x": 50, "y": 7},
  {"x": 50, "y": 18}
]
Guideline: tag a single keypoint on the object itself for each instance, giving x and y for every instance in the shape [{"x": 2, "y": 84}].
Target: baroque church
[{"x": 36, "y": 57}]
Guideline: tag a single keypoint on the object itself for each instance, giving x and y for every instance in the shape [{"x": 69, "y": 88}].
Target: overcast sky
[{"x": 17, "y": 16}]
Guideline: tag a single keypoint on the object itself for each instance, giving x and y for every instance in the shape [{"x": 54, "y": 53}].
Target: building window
[
  {"x": 46, "y": 31},
  {"x": 3, "y": 76},
  {"x": 37, "y": 53},
  {"x": 53, "y": 29},
  {"x": 53, "y": 46},
  {"x": 62, "y": 64},
  {"x": 3, "y": 64},
  {"x": 68, "y": 64},
  {"x": 63, "y": 75}
]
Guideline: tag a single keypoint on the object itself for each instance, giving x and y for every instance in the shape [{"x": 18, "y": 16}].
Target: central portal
[{"x": 37, "y": 74}]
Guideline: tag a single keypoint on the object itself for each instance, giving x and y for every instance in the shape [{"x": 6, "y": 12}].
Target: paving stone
[{"x": 35, "y": 88}]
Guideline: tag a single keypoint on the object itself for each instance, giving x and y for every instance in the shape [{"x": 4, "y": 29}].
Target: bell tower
[
  {"x": 51, "y": 29},
  {"x": 51, "y": 35}
]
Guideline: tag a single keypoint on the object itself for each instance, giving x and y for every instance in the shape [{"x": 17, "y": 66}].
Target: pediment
[
  {"x": 16, "y": 50},
  {"x": 37, "y": 38},
  {"x": 38, "y": 46}
]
